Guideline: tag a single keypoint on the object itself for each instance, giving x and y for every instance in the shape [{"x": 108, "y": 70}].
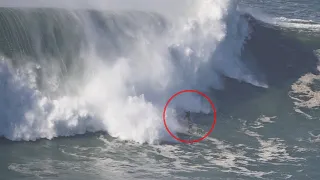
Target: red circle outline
[{"x": 212, "y": 126}]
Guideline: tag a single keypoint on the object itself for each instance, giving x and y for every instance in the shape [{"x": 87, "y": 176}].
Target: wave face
[{"x": 66, "y": 72}]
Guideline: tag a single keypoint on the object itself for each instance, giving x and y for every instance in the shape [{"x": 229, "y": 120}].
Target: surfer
[{"x": 189, "y": 121}]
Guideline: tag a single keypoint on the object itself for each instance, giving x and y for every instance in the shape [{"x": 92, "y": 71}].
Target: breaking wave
[{"x": 69, "y": 71}]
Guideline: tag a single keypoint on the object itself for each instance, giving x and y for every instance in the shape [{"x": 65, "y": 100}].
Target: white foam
[
  {"x": 263, "y": 120},
  {"x": 303, "y": 95}
]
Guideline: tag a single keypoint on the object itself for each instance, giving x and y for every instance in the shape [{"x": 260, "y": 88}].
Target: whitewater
[{"x": 70, "y": 71}]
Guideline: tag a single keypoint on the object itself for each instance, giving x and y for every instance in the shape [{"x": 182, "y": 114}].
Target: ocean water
[{"x": 84, "y": 85}]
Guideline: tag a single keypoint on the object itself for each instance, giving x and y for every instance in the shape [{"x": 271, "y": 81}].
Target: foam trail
[{"x": 79, "y": 70}]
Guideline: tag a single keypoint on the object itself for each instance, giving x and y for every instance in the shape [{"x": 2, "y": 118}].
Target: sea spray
[{"x": 113, "y": 70}]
